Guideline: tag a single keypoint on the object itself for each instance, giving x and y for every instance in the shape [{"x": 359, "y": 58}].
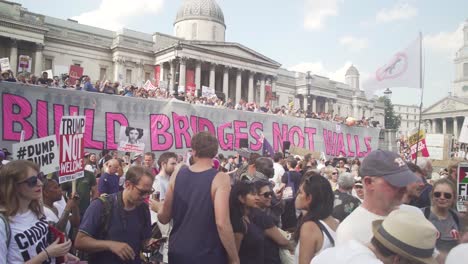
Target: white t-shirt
[
  {"x": 351, "y": 252},
  {"x": 28, "y": 238},
  {"x": 279, "y": 171},
  {"x": 160, "y": 184},
  {"x": 358, "y": 225},
  {"x": 51, "y": 217}
]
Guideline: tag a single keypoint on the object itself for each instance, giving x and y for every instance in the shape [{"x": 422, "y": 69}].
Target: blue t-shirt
[
  {"x": 108, "y": 183},
  {"x": 131, "y": 227}
]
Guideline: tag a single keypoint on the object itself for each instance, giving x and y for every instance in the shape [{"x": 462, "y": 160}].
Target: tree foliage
[{"x": 392, "y": 121}]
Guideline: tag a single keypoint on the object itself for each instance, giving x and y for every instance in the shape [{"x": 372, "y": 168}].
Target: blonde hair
[
  {"x": 329, "y": 170},
  {"x": 10, "y": 175}
]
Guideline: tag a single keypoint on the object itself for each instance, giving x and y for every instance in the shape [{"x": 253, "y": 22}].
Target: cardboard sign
[
  {"x": 5, "y": 64},
  {"x": 208, "y": 92},
  {"x": 131, "y": 139},
  {"x": 72, "y": 130},
  {"x": 42, "y": 151},
  {"x": 462, "y": 187},
  {"x": 303, "y": 151},
  {"x": 418, "y": 142},
  {"x": 75, "y": 73}
]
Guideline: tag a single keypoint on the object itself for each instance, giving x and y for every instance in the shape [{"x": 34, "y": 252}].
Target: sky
[{"x": 323, "y": 36}]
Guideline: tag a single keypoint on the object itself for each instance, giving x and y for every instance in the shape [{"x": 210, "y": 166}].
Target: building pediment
[
  {"x": 447, "y": 104},
  {"x": 235, "y": 49}
]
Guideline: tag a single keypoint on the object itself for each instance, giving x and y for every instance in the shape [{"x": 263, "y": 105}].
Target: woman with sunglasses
[
  {"x": 23, "y": 237},
  {"x": 442, "y": 216},
  {"x": 316, "y": 229},
  {"x": 332, "y": 173},
  {"x": 270, "y": 214}
]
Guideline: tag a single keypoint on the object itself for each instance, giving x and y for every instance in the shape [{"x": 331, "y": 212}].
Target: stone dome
[
  {"x": 352, "y": 71},
  {"x": 200, "y": 10}
]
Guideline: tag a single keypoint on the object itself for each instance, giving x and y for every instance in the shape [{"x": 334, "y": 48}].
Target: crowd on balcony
[{"x": 151, "y": 92}]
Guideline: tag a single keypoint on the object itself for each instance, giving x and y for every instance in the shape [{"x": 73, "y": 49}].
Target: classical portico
[
  {"x": 446, "y": 116},
  {"x": 237, "y": 73}
]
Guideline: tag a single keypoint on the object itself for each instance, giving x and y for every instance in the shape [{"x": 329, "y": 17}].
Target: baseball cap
[{"x": 390, "y": 166}]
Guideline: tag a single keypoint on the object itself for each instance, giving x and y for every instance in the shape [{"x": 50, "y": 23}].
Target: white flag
[
  {"x": 464, "y": 132},
  {"x": 402, "y": 70}
]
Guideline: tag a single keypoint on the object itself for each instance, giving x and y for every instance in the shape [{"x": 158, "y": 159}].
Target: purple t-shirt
[
  {"x": 108, "y": 183},
  {"x": 131, "y": 227}
]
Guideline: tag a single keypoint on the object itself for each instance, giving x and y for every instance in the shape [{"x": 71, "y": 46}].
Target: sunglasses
[
  {"x": 143, "y": 192},
  {"x": 446, "y": 195},
  {"x": 334, "y": 173},
  {"x": 32, "y": 181},
  {"x": 267, "y": 194}
]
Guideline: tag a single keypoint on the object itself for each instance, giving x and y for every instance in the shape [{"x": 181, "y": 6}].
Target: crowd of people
[
  {"x": 151, "y": 92},
  {"x": 204, "y": 207}
]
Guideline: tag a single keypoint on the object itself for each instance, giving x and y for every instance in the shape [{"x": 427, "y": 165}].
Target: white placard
[{"x": 42, "y": 151}]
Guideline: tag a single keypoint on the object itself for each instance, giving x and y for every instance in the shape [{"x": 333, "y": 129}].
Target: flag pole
[{"x": 421, "y": 86}]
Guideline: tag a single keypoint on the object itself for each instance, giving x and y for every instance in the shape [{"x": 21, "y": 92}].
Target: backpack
[
  {"x": 7, "y": 229},
  {"x": 427, "y": 213}
]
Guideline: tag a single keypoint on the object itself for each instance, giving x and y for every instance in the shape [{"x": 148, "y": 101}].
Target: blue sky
[{"x": 324, "y": 36}]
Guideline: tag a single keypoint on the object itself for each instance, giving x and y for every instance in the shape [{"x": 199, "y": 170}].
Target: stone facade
[
  {"x": 232, "y": 69},
  {"x": 409, "y": 117}
]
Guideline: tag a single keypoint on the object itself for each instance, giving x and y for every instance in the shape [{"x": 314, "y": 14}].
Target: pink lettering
[
  {"x": 159, "y": 125},
  {"x": 181, "y": 126},
  {"x": 253, "y": 132},
  {"x": 89, "y": 132},
  {"x": 10, "y": 117},
  {"x": 42, "y": 119},
  {"x": 238, "y": 125},
  {"x": 225, "y": 145},
  {"x": 111, "y": 118},
  {"x": 296, "y": 132},
  {"x": 310, "y": 136}
]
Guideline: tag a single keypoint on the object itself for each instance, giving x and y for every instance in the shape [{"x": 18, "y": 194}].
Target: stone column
[
  {"x": 262, "y": 91},
  {"x": 455, "y": 127},
  {"x": 433, "y": 126},
  {"x": 326, "y": 106},
  {"x": 355, "y": 107},
  {"x": 182, "y": 73},
  {"x": 444, "y": 126},
  {"x": 335, "y": 107},
  {"x": 251, "y": 87},
  {"x": 314, "y": 104},
  {"x": 161, "y": 71},
  {"x": 238, "y": 85},
  {"x": 306, "y": 102},
  {"x": 118, "y": 66},
  {"x": 226, "y": 82},
  {"x": 273, "y": 89},
  {"x": 212, "y": 75},
  {"x": 38, "y": 59},
  {"x": 171, "y": 82},
  {"x": 198, "y": 77},
  {"x": 14, "y": 56}
]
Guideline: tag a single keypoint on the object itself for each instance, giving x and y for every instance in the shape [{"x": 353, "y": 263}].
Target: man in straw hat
[
  {"x": 384, "y": 176},
  {"x": 403, "y": 237}
]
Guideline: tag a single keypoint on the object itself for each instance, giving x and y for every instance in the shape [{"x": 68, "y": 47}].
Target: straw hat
[{"x": 408, "y": 234}]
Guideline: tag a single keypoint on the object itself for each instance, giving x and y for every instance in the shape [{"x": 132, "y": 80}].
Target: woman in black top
[{"x": 248, "y": 235}]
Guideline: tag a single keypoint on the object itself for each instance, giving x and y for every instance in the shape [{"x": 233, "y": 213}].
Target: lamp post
[
  {"x": 388, "y": 93},
  {"x": 308, "y": 85},
  {"x": 177, "y": 47}
]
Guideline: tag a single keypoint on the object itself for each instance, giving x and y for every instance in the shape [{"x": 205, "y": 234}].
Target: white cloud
[
  {"x": 114, "y": 14},
  {"x": 445, "y": 42},
  {"x": 353, "y": 43},
  {"x": 400, "y": 11},
  {"x": 317, "y": 11},
  {"x": 319, "y": 69}
]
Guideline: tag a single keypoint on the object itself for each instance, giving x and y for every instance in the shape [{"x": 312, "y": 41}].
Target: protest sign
[
  {"x": 75, "y": 73},
  {"x": 42, "y": 151},
  {"x": 24, "y": 63},
  {"x": 131, "y": 139},
  {"x": 71, "y": 138},
  {"x": 50, "y": 74},
  {"x": 208, "y": 92},
  {"x": 417, "y": 141},
  {"x": 462, "y": 186},
  {"x": 5, "y": 64},
  {"x": 302, "y": 152},
  {"x": 170, "y": 123}
]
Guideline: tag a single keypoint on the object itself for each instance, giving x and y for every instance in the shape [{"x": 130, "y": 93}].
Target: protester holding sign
[{"x": 21, "y": 212}]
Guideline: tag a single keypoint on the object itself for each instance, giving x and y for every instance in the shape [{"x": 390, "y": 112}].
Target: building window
[
  {"x": 128, "y": 76},
  {"x": 465, "y": 69},
  {"x": 194, "y": 31},
  {"x": 102, "y": 73},
  {"x": 48, "y": 64},
  {"x": 147, "y": 76}
]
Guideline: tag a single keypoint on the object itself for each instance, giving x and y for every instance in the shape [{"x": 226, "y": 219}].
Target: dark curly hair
[{"x": 140, "y": 131}]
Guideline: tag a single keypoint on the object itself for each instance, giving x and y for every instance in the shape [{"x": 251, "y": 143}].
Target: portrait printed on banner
[{"x": 132, "y": 139}]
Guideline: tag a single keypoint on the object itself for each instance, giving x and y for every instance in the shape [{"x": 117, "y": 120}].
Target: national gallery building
[{"x": 196, "y": 55}]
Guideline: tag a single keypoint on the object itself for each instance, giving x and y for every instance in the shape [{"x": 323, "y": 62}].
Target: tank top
[
  {"x": 326, "y": 242},
  {"x": 194, "y": 237}
]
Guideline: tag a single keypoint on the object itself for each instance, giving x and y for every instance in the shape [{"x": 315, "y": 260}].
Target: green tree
[{"x": 392, "y": 121}]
